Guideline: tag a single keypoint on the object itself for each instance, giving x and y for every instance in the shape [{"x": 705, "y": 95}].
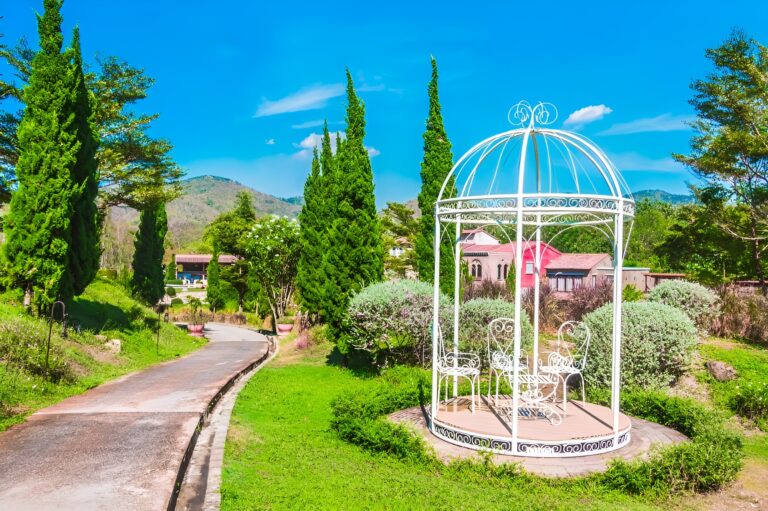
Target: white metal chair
[
  {"x": 562, "y": 362},
  {"x": 501, "y": 333},
  {"x": 457, "y": 364}
]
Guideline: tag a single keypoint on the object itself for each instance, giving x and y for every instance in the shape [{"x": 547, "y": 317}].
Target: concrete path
[{"x": 121, "y": 446}]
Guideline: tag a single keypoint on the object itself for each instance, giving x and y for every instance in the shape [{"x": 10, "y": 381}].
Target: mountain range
[{"x": 205, "y": 197}]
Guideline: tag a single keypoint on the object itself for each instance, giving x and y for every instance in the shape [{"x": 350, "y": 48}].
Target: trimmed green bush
[
  {"x": 391, "y": 320},
  {"x": 170, "y": 291},
  {"x": 696, "y": 301},
  {"x": 475, "y": 316},
  {"x": 710, "y": 460},
  {"x": 177, "y": 301},
  {"x": 657, "y": 345}
]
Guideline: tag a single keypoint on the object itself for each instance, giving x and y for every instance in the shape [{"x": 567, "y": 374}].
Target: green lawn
[
  {"x": 281, "y": 454},
  {"x": 105, "y": 308}
]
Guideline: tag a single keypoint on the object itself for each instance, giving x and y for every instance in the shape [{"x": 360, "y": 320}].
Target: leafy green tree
[
  {"x": 170, "y": 269},
  {"x": 399, "y": 227},
  {"x": 273, "y": 247},
  {"x": 650, "y": 229},
  {"x": 214, "y": 292},
  {"x": 147, "y": 282},
  {"x": 437, "y": 163},
  {"x": 230, "y": 231},
  {"x": 134, "y": 168},
  {"x": 355, "y": 254},
  {"x": 312, "y": 228},
  {"x": 729, "y": 149},
  {"x": 38, "y": 225},
  {"x": 85, "y": 249}
]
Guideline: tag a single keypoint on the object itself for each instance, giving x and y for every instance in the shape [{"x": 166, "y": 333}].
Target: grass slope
[
  {"x": 105, "y": 308},
  {"x": 280, "y": 454}
]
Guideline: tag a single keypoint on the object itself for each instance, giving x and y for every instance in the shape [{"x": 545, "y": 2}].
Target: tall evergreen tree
[
  {"x": 355, "y": 257},
  {"x": 437, "y": 163},
  {"x": 214, "y": 292},
  {"x": 147, "y": 280},
  {"x": 309, "y": 280},
  {"x": 84, "y": 251},
  {"x": 38, "y": 224}
]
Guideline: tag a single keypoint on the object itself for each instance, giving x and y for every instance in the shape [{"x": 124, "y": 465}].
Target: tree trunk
[{"x": 756, "y": 255}]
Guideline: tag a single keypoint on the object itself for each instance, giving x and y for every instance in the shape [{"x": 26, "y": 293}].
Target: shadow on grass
[
  {"x": 98, "y": 316},
  {"x": 357, "y": 362}
]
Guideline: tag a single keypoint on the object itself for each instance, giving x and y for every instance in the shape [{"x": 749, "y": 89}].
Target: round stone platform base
[{"x": 644, "y": 435}]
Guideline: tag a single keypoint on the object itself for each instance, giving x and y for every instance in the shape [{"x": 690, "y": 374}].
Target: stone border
[{"x": 205, "y": 463}]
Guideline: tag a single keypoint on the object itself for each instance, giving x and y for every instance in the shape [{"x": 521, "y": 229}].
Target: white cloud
[
  {"x": 307, "y": 124},
  {"x": 270, "y": 141},
  {"x": 308, "y": 98},
  {"x": 372, "y": 151},
  {"x": 660, "y": 123},
  {"x": 587, "y": 114},
  {"x": 314, "y": 140},
  {"x": 628, "y": 162}
]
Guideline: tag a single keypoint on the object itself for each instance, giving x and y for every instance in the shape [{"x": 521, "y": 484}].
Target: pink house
[{"x": 488, "y": 259}]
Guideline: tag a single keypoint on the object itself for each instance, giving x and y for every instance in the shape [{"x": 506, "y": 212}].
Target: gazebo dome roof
[{"x": 560, "y": 177}]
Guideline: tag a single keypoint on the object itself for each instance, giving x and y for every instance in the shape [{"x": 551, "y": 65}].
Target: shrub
[
  {"x": 550, "y": 309},
  {"x": 743, "y": 316},
  {"x": 476, "y": 315},
  {"x": 23, "y": 344},
  {"x": 359, "y": 414},
  {"x": 631, "y": 294},
  {"x": 657, "y": 344},
  {"x": 696, "y": 301},
  {"x": 391, "y": 320},
  {"x": 170, "y": 291},
  {"x": 485, "y": 289},
  {"x": 177, "y": 301},
  {"x": 751, "y": 400},
  {"x": 586, "y": 299},
  {"x": 711, "y": 459}
]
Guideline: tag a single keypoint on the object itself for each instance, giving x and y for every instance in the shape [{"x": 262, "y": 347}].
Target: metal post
[
  {"x": 456, "y": 300},
  {"x": 435, "y": 316},
  {"x": 536, "y": 298},
  {"x": 50, "y": 331},
  {"x": 617, "y": 296}
]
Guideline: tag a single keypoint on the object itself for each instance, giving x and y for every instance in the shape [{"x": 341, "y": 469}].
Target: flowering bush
[
  {"x": 476, "y": 315},
  {"x": 696, "y": 301},
  {"x": 392, "y": 321},
  {"x": 657, "y": 344}
]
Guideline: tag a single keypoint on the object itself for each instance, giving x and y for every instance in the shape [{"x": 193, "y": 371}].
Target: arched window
[
  {"x": 498, "y": 272},
  {"x": 506, "y": 270},
  {"x": 477, "y": 269}
]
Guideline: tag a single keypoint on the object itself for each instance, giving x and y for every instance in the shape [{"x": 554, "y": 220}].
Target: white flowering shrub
[
  {"x": 656, "y": 346},
  {"x": 696, "y": 301},
  {"x": 391, "y": 320}
]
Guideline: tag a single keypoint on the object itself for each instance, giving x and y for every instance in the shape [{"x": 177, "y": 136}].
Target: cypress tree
[
  {"x": 309, "y": 281},
  {"x": 170, "y": 269},
  {"x": 355, "y": 257},
  {"x": 213, "y": 292},
  {"x": 437, "y": 163},
  {"x": 85, "y": 250},
  {"x": 147, "y": 282},
  {"x": 38, "y": 223}
]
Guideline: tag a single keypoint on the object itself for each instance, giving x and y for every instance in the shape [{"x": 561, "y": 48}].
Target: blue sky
[{"x": 242, "y": 86}]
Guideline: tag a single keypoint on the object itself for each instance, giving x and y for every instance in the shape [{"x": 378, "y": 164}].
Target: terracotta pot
[
  {"x": 284, "y": 329},
  {"x": 195, "y": 329}
]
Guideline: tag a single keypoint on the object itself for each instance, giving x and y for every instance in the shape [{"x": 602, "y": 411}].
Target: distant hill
[
  {"x": 203, "y": 199},
  {"x": 662, "y": 196}
]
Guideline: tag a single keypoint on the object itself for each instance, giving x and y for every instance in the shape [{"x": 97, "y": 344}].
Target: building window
[
  {"x": 506, "y": 271},
  {"x": 498, "y": 272},
  {"x": 529, "y": 268},
  {"x": 567, "y": 283},
  {"x": 477, "y": 269}
]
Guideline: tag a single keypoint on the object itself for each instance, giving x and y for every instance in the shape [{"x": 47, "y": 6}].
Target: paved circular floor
[{"x": 644, "y": 435}]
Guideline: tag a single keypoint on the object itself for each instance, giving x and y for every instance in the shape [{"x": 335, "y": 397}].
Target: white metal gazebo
[{"x": 530, "y": 181}]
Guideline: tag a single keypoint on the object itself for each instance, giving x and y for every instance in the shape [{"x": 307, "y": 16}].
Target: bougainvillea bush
[
  {"x": 696, "y": 301},
  {"x": 657, "y": 344}
]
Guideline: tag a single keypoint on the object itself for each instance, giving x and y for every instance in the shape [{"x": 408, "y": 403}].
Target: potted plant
[
  {"x": 195, "y": 326},
  {"x": 284, "y": 325}
]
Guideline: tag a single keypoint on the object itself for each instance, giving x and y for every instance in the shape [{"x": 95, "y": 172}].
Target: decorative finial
[{"x": 523, "y": 114}]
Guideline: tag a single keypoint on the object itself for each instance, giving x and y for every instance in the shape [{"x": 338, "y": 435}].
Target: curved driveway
[{"x": 121, "y": 445}]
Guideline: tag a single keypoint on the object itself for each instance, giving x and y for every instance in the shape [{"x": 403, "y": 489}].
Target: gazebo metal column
[
  {"x": 618, "y": 259},
  {"x": 435, "y": 316}
]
